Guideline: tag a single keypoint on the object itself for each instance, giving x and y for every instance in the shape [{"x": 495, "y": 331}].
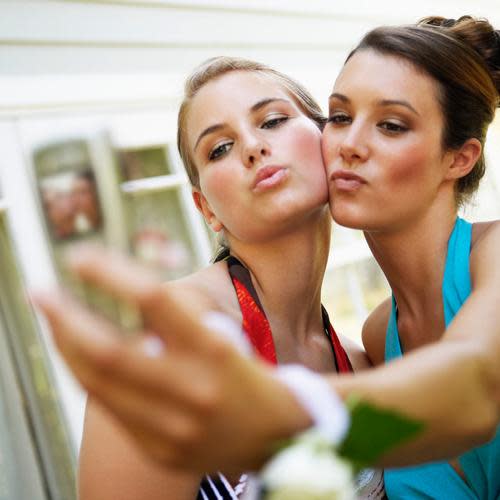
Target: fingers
[
  {"x": 123, "y": 278},
  {"x": 74, "y": 328},
  {"x": 92, "y": 345},
  {"x": 108, "y": 365},
  {"x": 88, "y": 342},
  {"x": 113, "y": 272}
]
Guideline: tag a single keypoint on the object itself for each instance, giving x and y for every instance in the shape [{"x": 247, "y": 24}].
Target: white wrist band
[{"x": 314, "y": 393}]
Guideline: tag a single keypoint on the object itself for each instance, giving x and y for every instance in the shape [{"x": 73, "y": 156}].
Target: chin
[{"x": 348, "y": 216}]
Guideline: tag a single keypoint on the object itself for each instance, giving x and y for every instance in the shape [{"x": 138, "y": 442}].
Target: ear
[
  {"x": 464, "y": 159},
  {"x": 204, "y": 207}
]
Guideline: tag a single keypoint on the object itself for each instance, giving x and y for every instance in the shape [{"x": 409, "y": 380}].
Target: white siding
[{"x": 307, "y": 39}]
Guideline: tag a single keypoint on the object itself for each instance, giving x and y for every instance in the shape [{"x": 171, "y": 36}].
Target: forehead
[
  {"x": 231, "y": 96},
  {"x": 379, "y": 76}
]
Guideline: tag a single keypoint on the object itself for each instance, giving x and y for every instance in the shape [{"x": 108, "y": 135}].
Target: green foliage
[{"x": 374, "y": 431}]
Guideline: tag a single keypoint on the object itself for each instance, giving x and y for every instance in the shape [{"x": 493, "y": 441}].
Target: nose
[
  {"x": 353, "y": 146},
  {"x": 254, "y": 150}
]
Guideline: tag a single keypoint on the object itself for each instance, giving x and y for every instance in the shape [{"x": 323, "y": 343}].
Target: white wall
[{"x": 116, "y": 37}]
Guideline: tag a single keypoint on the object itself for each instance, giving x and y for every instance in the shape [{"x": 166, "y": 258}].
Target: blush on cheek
[
  {"x": 307, "y": 146},
  {"x": 410, "y": 166},
  {"x": 307, "y": 150},
  {"x": 217, "y": 188}
]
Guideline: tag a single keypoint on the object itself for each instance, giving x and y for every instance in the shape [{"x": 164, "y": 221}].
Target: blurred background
[{"x": 89, "y": 92}]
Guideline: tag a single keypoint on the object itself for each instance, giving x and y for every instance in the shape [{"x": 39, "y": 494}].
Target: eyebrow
[
  {"x": 382, "y": 102},
  {"x": 256, "y": 107},
  {"x": 264, "y": 102},
  {"x": 207, "y": 131},
  {"x": 340, "y": 97}
]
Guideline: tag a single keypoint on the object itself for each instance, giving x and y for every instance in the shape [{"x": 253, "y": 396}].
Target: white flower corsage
[{"x": 307, "y": 470}]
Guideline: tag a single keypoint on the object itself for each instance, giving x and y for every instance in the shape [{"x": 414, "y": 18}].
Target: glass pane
[
  {"x": 141, "y": 163},
  {"x": 158, "y": 232}
]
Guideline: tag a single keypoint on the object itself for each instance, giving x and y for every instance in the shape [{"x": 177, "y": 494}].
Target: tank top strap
[
  {"x": 255, "y": 323},
  {"x": 456, "y": 280},
  {"x": 392, "y": 343},
  {"x": 342, "y": 362}
]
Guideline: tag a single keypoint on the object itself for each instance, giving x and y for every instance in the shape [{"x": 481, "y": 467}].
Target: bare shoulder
[
  {"x": 485, "y": 233},
  {"x": 374, "y": 329},
  {"x": 485, "y": 250},
  {"x": 356, "y": 354},
  {"x": 118, "y": 469},
  {"x": 482, "y": 229},
  {"x": 207, "y": 289}
]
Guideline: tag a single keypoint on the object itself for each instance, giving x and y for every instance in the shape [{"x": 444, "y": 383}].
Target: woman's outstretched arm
[{"x": 200, "y": 405}]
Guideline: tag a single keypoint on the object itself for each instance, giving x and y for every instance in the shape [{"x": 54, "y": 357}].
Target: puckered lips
[
  {"x": 268, "y": 177},
  {"x": 345, "y": 180}
]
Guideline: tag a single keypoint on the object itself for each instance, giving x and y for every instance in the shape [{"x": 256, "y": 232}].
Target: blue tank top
[{"x": 481, "y": 466}]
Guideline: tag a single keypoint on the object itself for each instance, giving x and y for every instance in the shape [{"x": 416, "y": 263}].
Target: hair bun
[
  {"x": 437, "y": 21},
  {"x": 497, "y": 39},
  {"x": 479, "y": 34}
]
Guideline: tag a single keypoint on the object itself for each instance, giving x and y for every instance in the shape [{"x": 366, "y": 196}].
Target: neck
[
  {"x": 413, "y": 259},
  {"x": 287, "y": 272}
]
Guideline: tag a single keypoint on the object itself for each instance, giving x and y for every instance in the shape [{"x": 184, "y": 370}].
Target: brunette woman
[{"x": 404, "y": 151}]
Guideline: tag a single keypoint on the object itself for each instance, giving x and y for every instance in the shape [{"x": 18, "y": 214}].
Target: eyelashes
[
  {"x": 219, "y": 151},
  {"x": 274, "y": 122},
  {"x": 339, "y": 118},
  {"x": 391, "y": 127}
]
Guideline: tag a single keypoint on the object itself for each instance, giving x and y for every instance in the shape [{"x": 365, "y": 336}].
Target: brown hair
[
  {"x": 218, "y": 66},
  {"x": 463, "y": 56}
]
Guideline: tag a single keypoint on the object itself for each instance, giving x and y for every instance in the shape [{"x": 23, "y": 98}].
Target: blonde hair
[{"x": 216, "y": 67}]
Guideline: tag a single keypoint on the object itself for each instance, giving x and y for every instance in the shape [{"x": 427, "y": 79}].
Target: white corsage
[{"x": 307, "y": 470}]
